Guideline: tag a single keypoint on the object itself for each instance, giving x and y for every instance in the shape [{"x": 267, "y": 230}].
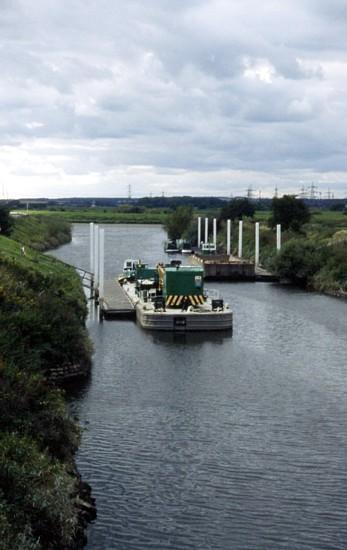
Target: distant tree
[
  {"x": 236, "y": 209},
  {"x": 201, "y": 203},
  {"x": 178, "y": 222},
  {"x": 5, "y": 221},
  {"x": 290, "y": 212}
]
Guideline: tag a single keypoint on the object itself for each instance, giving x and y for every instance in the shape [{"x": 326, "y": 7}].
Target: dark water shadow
[
  {"x": 190, "y": 338},
  {"x": 78, "y": 388}
]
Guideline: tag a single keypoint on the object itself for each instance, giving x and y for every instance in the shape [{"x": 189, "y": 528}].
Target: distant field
[
  {"x": 329, "y": 218},
  {"x": 262, "y": 215},
  {"x": 158, "y": 216},
  {"x": 324, "y": 217},
  {"x": 102, "y": 215}
]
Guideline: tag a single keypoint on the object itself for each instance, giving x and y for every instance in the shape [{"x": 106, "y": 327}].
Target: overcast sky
[{"x": 192, "y": 97}]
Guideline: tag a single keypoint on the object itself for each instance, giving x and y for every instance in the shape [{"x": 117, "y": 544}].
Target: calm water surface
[{"x": 215, "y": 442}]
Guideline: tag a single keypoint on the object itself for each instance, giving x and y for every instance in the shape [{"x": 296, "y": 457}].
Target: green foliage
[
  {"x": 40, "y": 232},
  {"x": 13, "y": 536},
  {"x": 317, "y": 260},
  {"x": 237, "y": 209},
  {"x": 5, "y": 221},
  {"x": 35, "y": 495},
  {"x": 178, "y": 222},
  {"x": 290, "y": 212},
  {"x": 332, "y": 277},
  {"x": 316, "y": 257},
  {"x": 299, "y": 260},
  {"x": 42, "y": 314},
  {"x": 29, "y": 406},
  {"x": 42, "y": 310}
]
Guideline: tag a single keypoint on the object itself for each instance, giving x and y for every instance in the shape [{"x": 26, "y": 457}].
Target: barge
[{"x": 171, "y": 297}]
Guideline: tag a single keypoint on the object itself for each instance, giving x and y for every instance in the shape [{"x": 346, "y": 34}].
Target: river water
[{"x": 216, "y": 442}]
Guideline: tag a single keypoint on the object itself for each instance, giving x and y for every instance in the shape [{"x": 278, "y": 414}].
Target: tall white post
[
  {"x": 101, "y": 264},
  {"x": 96, "y": 256},
  {"x": 240, "y": 238},
  {"x": 199, "y": 232},
  {"x": 91, "y": 244},
  {"x": 215, "y": 232},
  {"x": 278, "y": 237},
  {"x": 256, "y": 254},
  {"x": 206, "y": 230},
  {"x": 228, "y": 236}
]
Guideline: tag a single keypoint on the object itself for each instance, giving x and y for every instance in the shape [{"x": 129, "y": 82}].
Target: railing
[{"x": 87, "y": 277}]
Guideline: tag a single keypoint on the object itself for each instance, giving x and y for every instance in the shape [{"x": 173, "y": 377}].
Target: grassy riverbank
[
  {"x": 315, "y": 262},
  {"x": 42, "y": 315},
  {"x": 40, "y": 232}
]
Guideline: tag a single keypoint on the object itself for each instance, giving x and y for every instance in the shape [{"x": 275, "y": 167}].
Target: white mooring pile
[{"x": 206, "y": 245}]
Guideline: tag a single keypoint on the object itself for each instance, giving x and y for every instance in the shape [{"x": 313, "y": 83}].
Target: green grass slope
[
  {"x": 40, "y": 232},
  {"x": 42, "y": 314}
]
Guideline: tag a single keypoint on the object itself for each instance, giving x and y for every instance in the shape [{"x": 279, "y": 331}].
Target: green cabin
[
  {"x": 143, "y": 271},
  {"x": 180, "y": 282}
]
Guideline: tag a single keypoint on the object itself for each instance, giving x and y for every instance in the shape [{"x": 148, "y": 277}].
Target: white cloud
[{"x": 196, "y": 97}]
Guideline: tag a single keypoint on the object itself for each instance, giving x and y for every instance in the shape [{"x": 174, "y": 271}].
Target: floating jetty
[
  {"x": 221, "y": 267},
  {"x": 225, "y": 268},
  {"x": 116, "y": 304}
]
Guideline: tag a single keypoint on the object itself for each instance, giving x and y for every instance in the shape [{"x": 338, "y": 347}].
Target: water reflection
[{"x": 189, "y": 338}]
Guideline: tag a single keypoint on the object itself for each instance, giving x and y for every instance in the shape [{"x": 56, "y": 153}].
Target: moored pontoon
[{"x": 172, "y": 298}]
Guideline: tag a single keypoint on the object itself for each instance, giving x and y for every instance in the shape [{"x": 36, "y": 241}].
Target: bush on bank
[
  {"x": 6, "y": 221},
  {"x": 36, "y": 509},
  {"x": 42, "y": 314},
  {"x": 321, "y": 267},
  {"x": 298, "y": 261},
  {"x": 332, "y": 276}
]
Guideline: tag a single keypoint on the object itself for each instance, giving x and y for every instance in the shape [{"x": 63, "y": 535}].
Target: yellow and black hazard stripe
[
  {"x": 174, "y": 301},
  {"x": 196, "y": 300},
  {"x": 177, "y": 301}
]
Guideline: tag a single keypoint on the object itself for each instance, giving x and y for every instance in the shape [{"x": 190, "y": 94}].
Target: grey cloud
[{"x": 198, "y": 87}]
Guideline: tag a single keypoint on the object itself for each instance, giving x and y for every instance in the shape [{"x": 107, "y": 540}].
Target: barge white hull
[
  {"x": 170, "y": 319},
  {"x": 184, "y": 321}
]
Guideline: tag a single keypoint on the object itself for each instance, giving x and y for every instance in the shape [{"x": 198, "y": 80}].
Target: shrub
[
  {"x": 29, "y": 406},
  {"x": 178, "y": 222},
  {"x": 35, "y": 493},
  {"x": 333, "y": 275},
  {"x": 298, "y": 261},
  {"x": 6, "y": 221}
]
